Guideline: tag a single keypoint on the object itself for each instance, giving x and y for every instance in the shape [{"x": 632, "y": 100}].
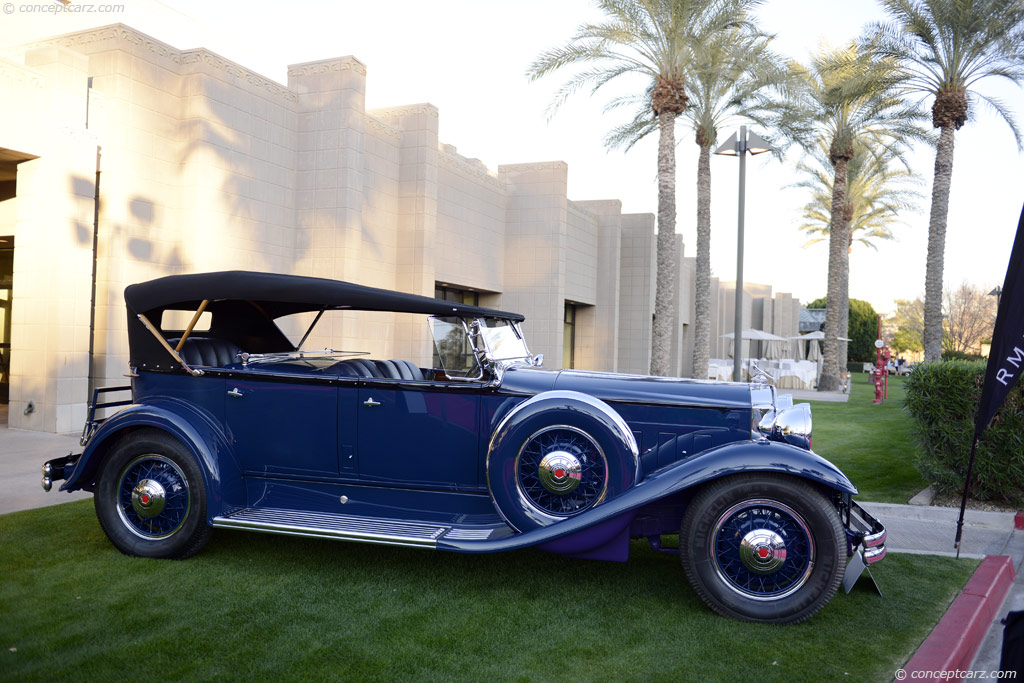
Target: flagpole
[{"x": 963, "y": 502}]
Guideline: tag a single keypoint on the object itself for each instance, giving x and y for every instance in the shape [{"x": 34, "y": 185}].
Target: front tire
[
  {"x": 150, "y": 498},
  {"x": 762, "y": 547}
]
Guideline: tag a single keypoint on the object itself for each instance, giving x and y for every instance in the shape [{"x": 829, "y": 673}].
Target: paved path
[
  {"x": 21, "y": 456},
  {"x": 811, "y": 395}
]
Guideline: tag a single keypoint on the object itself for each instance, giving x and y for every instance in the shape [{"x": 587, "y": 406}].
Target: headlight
[{"x": 791, "y": 424}]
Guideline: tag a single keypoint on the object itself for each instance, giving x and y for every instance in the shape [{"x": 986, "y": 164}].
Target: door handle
[
  {"x": 371, "y": 403},
  {"x": 235, "y": 392}
]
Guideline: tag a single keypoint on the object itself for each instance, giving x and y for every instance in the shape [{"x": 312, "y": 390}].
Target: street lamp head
[
  {"x": 730, "y": 147},
  {"x": 756, "y": 144},
  {"x": 735, "y": 146}
]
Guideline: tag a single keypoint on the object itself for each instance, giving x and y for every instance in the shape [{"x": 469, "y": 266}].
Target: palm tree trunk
[
  {"x": 664, "y": 316},
  {"x": 844, "y": 304},
  {"x": 937, "y": 245},
  {"x": 702, "y": 303},
  {"x": 837, "y": 246}
]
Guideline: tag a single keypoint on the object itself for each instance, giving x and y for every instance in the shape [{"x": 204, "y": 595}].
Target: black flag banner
[{"x": 1006, "y": 357}]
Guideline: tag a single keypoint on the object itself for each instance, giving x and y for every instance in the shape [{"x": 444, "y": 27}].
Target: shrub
[
  {"x": 960, "y": 355},
  {"x": 942, "y": 399}
]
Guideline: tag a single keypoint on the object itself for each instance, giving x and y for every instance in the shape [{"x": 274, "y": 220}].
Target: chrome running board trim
[{"x": 341, "y": 527}]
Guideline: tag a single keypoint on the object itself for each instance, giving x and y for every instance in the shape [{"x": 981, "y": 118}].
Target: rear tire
[
  {"x": 150, "y": 498},
  {"x": 763, "y": 548}
]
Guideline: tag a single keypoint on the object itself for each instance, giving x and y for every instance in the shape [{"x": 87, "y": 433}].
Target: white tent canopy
[
  {"x": 813, "y": 335},
  {"x": 755, "y": 335}
]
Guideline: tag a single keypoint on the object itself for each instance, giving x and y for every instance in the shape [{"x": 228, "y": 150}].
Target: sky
[{"x": 470, "y": 58}]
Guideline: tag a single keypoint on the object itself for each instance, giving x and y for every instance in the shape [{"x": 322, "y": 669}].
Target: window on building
[
  {"x": 462, "y": 296},
  {"x": 569, "y": 336}
]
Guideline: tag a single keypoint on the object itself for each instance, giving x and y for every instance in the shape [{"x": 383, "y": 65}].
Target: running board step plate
[{"x": 346, "y": 527}]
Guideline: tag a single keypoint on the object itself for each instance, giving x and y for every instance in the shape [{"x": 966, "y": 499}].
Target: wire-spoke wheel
[
  {"x": 153, "y": 497},
  {"x": 557, "y": 455},
  {"x": 150, "y": 498},
  {"x": 562, "y": 471},
  {"x": 762, "y": 547}
]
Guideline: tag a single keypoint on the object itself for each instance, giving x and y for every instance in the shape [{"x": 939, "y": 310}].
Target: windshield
[
  {"x": 461, "y": 345},
  {"x": 503, "y": 339},
  {"x": 453, "y": 351}
]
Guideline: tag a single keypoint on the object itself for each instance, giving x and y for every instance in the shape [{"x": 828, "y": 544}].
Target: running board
[{"x": 347, "y": 528}]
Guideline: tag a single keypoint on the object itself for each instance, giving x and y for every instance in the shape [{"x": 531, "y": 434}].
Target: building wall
[
  {"x": 598, "y": 333},
  {"x": 687, "y": 293},
  {"x": 471, "y": 221},
  {"x": 205, "y": 165},
  {"x": 636, "y": 293}
]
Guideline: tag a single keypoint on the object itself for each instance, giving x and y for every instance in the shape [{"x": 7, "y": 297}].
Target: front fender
[
  {"x": 193, "y": 427},
  {"x": 731, "y": 458},
  {"x": 758, "y": 456}
]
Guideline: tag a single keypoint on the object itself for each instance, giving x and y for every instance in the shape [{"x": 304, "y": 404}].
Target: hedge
[{"x": 941, "y": 399}]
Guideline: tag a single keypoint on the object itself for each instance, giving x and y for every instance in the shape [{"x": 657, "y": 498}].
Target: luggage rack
[{"x": 92, "y": 422}]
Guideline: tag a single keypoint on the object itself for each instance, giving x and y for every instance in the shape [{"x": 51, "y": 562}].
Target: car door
[
  {"x": 419, "y": 433},
  {"x": 280, "y": 426}
]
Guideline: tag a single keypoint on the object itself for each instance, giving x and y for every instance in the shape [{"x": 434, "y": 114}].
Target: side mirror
[{"x": 538, "y": 360}]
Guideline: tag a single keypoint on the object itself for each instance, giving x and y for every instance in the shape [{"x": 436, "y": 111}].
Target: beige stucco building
[{"x": 123, "y": 159}]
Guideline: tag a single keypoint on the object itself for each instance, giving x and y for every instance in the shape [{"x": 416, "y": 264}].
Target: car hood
[{"x": 622, "y": 388}]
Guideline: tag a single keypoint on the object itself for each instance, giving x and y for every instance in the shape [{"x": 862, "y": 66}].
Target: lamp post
[
  {"x": 739, "y": 146},
  {"x": 998, "y": 294}
]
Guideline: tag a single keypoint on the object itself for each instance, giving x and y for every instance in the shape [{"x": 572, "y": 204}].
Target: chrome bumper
[
  {"x": 864, "y": 531},
  {"x": 58, "y": 469}
]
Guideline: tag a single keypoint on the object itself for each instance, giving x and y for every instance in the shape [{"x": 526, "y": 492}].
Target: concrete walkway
[
  {"x": 811, "y": 395},
  {"x": 932, "y": 530},
  {"x": 22, "y": 454}
]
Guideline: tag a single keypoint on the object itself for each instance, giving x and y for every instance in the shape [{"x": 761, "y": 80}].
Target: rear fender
[{"x": 192, "y": 426}]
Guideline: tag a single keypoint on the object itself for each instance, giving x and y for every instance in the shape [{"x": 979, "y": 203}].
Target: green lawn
[
  {"x": 870, "y": 443},
  {"x": 260, "y": 607}
]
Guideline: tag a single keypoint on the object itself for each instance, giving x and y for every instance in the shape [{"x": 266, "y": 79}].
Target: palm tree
[
  {"x": 851, "y": 96},
  {"x": 878, "y": 190},
  {"x": 731, "y": 74},
  {"x": 655, "y": 39},
  {"x": 948, "y": 46}
]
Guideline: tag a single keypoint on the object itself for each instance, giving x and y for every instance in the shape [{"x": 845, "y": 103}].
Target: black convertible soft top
[
  {"x": 244, "y": 306},
  {"x": 286, "y": 294}
]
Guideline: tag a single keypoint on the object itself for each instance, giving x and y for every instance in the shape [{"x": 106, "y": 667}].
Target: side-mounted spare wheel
[
  {"x": 150, "y": 497},
  {"x": 763, "y": 547},
  {"x": 556, "y": 455}
]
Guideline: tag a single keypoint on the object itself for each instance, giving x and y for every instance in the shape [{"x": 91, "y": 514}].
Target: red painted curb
[
  {"x": 1018, "y": 520},
  {"x": 954, "y": 642}
]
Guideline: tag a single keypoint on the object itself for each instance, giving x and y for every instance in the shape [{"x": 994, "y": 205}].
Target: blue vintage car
[{"x": 232, "y": 424}]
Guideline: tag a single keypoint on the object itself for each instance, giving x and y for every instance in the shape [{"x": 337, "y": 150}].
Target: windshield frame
[{"x": 486, "y": 347}]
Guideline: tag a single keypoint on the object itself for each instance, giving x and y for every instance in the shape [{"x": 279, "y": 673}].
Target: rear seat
[
  {"x": 381, "y": 369},
  {"x": 207, "y": 351}
]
